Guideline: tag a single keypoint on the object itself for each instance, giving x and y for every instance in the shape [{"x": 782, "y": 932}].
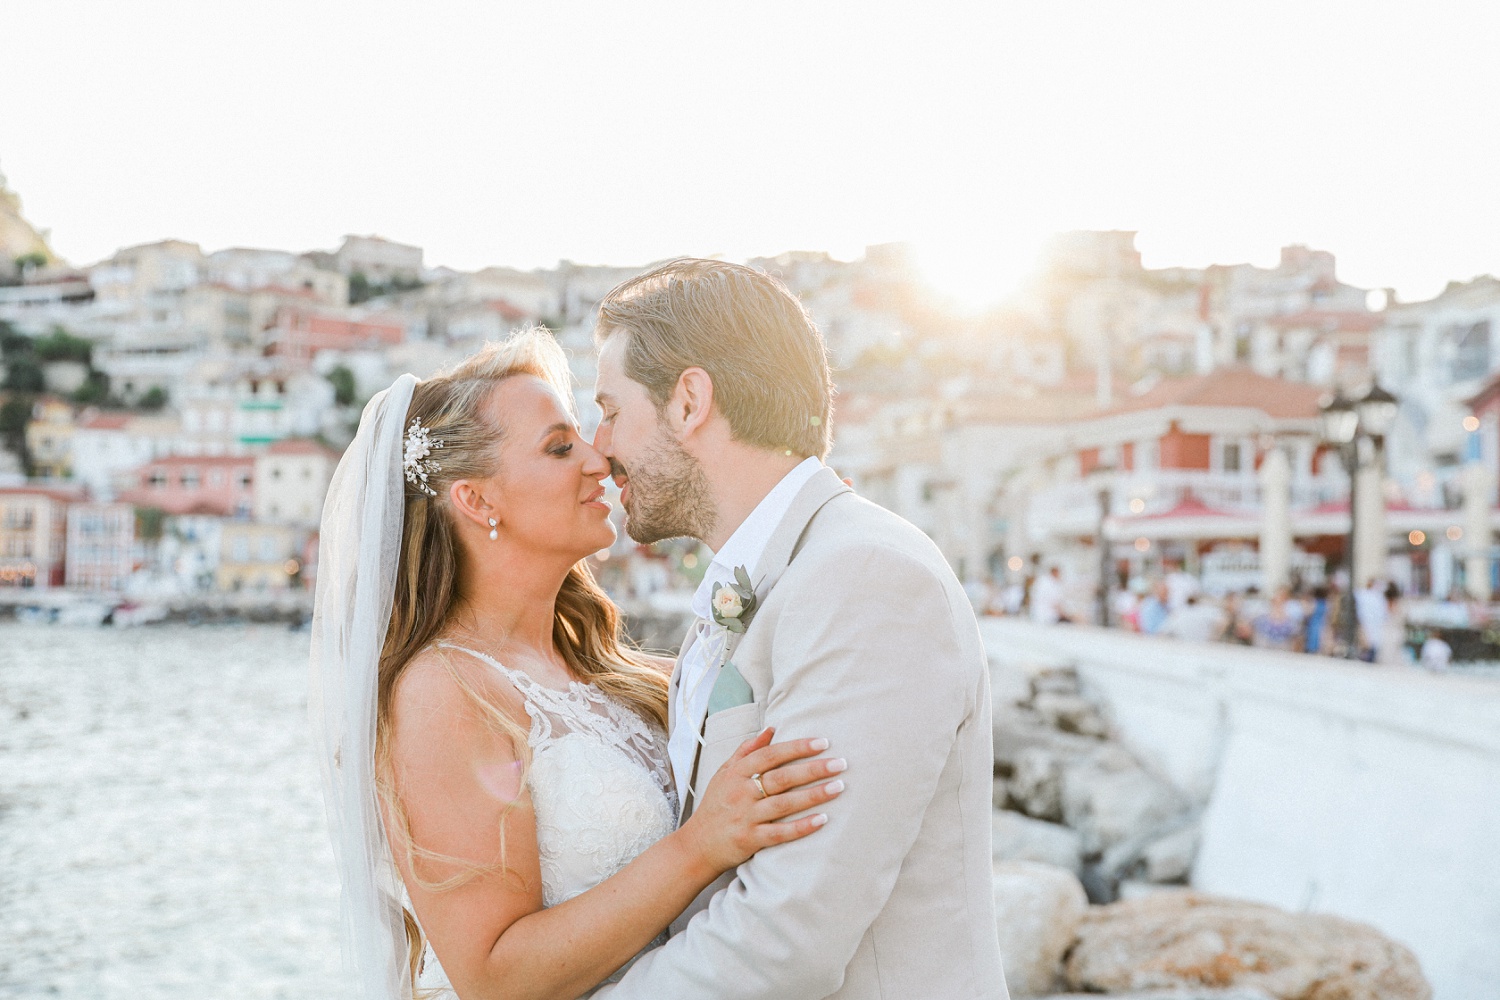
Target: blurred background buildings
[{"x": 1121, "y": 423}]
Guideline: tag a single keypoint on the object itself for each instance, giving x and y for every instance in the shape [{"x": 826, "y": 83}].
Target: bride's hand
[{"x": 733, "y": 820}]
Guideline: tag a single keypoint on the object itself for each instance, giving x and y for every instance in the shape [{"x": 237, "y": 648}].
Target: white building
[
  {"x": 291, "y": 480},
  {"x": 101, "y": 546},
  {"x": 380, "y": 260},
  {"x": 107, "y": 445}
]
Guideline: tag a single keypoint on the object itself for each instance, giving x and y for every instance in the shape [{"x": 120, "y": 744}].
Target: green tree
[
  {"x": 30, "y": 261},
  {"x": 23, "y": 374},
  {"x": 13, "y": 341},
  {"x": 148, "y": 523},
  {"x": 153, "y": 399},
  {"x": 343, "y": 385},
  {"x": 60, "y": 345},
  {"x": 94, "y": 391},
  {"x": 359, "y": 288},
  {"x": 15, "y": 412}
]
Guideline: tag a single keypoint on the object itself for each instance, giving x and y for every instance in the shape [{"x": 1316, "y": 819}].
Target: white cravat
[{"x": 700, "y": 666}]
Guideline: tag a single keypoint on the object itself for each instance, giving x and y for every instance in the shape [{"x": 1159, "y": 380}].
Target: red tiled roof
[
  {"x": 1328, "y": 319},
  {"x": 201, "y": 460},
  {"x": 301, "y": 446},
  {"x": 1239, "y": 387},
  {"x": 105, "y": 422},
  {"x": 175, "y": 504},
  {"x": 62, "y": 494},
  {"x": 1189, "y": 506}
]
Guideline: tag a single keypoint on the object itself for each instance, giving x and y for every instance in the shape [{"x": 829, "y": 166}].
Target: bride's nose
[{"x": 595, "y": 465}]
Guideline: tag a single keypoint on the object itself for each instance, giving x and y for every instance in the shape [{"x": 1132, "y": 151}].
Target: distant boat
[
  {"x": 36, "y": 615},
  {"x": 131, "y": 614},
  {"x": 83, "y": 613}
]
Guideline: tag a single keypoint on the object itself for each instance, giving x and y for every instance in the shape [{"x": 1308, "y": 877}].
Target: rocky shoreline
[{"x": 1092, "y": 857}]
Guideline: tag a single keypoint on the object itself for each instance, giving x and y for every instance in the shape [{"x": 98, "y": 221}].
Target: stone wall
[{"x": 1368, "y": 793}]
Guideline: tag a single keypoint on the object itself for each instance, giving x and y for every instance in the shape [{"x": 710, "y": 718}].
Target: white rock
[
  {"x": 1170, "y": 859},
  {"x": 1070, "y": 713},
  {"x": 1021, "y": 838},
  {"x": 1110, "y": 800},
  {"x": 1037, "y": 912}
]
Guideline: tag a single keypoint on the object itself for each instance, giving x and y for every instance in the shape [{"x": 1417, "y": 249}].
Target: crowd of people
[{"x": 1302, "y": 619}]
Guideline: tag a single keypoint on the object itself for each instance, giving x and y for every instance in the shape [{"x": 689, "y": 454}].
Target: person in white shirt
[
  {"x": 1047, "y": 598},
  {"x": 1195, "y": 621},
  {"x": 1436, "y": 654},
  {"x": 1180, "y": 586},
  {"x": 821, "y": 613}
]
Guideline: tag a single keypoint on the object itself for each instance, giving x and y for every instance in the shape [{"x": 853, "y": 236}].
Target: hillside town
[{"x": 170, "y": 417}]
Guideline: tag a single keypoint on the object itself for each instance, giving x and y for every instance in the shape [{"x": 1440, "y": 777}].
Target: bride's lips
[{"x": 597, "y": 500}]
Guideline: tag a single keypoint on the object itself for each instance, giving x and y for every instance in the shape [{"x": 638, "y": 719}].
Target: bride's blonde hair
[{"x": 586, "y": 627}]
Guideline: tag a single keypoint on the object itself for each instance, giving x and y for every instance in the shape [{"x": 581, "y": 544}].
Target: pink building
[
  {"x": 33, "y": 535},
  {"x": 202, "y": 484},
  {"x": 300, "y": 334}
]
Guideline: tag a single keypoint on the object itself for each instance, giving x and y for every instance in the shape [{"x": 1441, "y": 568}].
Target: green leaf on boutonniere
[
  {"x": 743, "y": 579},
  {"x": 734, "y": 625}
]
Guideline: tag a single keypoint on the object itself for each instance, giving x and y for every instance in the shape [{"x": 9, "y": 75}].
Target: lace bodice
[{"x": 600, "y": 783}]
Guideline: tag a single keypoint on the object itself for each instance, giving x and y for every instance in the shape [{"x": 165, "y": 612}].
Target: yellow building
[
  {"x": 257, "y": 556},
  {"x": 49, "y": 438}
]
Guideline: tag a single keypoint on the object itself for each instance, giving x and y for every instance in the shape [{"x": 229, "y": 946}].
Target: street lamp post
[
  {"x": 1345, "y": 423},
  {"x": 1102, "y": 474}
]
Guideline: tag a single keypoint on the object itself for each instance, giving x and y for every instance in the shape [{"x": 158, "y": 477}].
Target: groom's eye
[{"x": 561, "y": 450}]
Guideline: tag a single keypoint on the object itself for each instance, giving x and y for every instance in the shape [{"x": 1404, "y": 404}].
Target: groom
[{"x": 821, "y": 615}]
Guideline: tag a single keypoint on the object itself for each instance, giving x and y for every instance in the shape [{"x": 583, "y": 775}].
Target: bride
[{"x": 494, "y": 758}]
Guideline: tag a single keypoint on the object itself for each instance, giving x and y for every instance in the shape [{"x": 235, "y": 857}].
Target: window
[
  {"x": 241, "y": 549},
  {"x": 268, "y": 551},
  {"x": 1472, "y": 357},
  {"x": 244, "y": 480},
  {"x": 190, "y": 479},
  {"x": 216, "y": 478},
  {"x": 1232, "y": 456},
  {"x": 157, "y": 480}
]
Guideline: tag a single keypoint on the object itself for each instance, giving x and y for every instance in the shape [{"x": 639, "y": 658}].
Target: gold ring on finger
[{"x": 758, "y": 786}]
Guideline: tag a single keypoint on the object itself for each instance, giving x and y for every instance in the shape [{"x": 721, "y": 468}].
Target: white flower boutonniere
[{"x": 734, "y": 603}]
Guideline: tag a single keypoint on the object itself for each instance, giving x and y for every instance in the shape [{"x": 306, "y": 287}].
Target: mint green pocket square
[{"x": 730, "y": 690}]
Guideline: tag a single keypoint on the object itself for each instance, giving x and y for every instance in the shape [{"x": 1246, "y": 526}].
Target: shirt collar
[{"x": 745, "y": 546}]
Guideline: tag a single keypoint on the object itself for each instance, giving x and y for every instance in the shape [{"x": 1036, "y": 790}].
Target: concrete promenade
[{"x": 1368, "y": 792}]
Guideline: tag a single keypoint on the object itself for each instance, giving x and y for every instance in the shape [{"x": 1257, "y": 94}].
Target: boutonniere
[{"x": 734, "y": 603}]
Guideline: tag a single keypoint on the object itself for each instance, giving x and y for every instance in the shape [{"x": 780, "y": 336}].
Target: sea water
[{"x": 162, "y": 832}]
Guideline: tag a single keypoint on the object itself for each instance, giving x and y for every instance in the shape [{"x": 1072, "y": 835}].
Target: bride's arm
[{"x": 458, "y": 783}]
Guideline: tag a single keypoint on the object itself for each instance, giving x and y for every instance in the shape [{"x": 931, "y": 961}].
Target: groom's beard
[{"x": 669, "y": 495}]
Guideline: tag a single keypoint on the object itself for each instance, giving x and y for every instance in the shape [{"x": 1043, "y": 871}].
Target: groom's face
[{"x": 662, "y": 488}]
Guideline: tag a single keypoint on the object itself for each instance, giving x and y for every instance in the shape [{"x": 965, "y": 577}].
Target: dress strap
[{"x": 519, "y": 678}]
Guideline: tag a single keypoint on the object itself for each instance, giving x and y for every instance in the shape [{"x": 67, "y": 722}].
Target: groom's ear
[{"x": 692, "y": 402}]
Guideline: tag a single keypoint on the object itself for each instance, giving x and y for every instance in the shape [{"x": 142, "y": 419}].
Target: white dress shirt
[{"x": 695, "y": 682}]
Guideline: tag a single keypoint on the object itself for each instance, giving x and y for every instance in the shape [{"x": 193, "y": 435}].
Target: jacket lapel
[
  {"x": 777, "y": 555},
  {"x": 782, "y": 546}
]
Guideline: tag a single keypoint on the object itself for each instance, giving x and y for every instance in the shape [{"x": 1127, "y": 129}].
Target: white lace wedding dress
[{"x": 600, "y": 785}]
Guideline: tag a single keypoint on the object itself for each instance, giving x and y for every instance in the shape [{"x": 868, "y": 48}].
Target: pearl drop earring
[{"x": 494, "y": 534}]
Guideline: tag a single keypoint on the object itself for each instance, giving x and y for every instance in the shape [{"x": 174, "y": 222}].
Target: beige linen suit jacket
[{"x": 861, "y": 635}]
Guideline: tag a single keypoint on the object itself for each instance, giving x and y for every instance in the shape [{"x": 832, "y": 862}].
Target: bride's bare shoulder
[{"x": 442, "y": 684}]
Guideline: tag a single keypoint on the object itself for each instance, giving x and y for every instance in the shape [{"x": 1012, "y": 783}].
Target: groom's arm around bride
[{"x": 866, "y": 638}]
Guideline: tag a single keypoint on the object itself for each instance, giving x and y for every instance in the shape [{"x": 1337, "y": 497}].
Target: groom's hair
[{"x": 768, "y": 362}]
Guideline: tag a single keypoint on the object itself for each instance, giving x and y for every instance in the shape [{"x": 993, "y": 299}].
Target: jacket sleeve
[{"x": 865, "y": 653}]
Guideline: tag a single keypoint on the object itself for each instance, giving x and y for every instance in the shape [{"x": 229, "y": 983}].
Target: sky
[{"x": 524, "y": 133}]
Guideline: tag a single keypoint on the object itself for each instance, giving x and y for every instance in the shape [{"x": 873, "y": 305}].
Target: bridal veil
[{"x": 359, "y": 550}]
